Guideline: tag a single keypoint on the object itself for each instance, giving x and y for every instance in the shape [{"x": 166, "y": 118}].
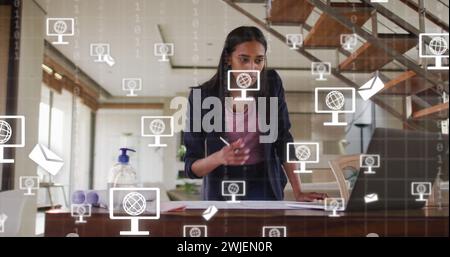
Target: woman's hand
[
  {"x": 234, "y": 154},
  {"x": 309, "y": 197}
]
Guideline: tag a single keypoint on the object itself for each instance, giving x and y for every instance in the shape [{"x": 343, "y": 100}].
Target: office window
[{"x": 64, "y": 126}]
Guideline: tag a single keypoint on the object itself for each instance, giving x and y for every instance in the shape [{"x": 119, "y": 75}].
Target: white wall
[
  {"x": 29, "y": 94},
  {"x": 372, "y": 114},
  {"x": 70, "y": 122},
  {"x": 363, "y": 114},
  {"x": 111, "y": 129},
  {"x": 61, "y": 131},
  {"x": 81, "y": 148},
  {"x": 384, "y": 119}
]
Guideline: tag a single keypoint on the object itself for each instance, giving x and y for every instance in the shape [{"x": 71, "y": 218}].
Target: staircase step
[
  {"x": 369, "y": 58},
  {"x": 290, "y": 12},
  {"x": 400, "y": 85},
  {"x": 439, "y": 111},
  {"x": 327, "y": 31}
]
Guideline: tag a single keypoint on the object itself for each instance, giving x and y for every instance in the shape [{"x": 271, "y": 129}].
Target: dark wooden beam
[{"x": 438, "y": 111}]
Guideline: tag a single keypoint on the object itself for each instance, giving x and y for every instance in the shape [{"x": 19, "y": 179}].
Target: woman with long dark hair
[{"x": 261, "y": 165}]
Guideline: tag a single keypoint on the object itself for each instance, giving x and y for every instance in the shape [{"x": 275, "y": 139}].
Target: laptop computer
[{"x": 407, "y": 159}]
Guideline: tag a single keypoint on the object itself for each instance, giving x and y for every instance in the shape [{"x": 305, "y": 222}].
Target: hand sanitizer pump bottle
[{"x": 122, "y": 174}]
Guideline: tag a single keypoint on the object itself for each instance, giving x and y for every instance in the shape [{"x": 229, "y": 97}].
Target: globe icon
[
  {"x": 233, "y": 188},
  {"x": 157, "y": 126},
  {"x": 134, "y": 203},
  {"x": 244, "y": 80},
  {"x": 334, "y": 205},
  {"x": 81, "y": 210},
  {"x": 321, "y": 68},
  {"x": 369, "y": 161},
  {"x": 421, "y": 189},
  {"x": 99, "y": 50},
  {"x": 274, "y": 232},
  {"x": 164, "y": 49},
  {"x": 294, "y": 39},
  {"x": 302, "y": 153},
  {"x": 438, "y": 46},
  {"x": 131, "y": 84},
  {"x": 335, "y": 100},
  {"x": 195, "y": 232},
  {"x": 60, "y": 27},
  {"x": 29, "y": 182},
  {"x": 5, "y": 132}
]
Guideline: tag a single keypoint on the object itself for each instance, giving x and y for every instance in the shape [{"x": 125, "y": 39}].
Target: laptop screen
[{"x": 398, "y": 170}]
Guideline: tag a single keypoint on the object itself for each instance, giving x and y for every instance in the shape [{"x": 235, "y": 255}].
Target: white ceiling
[{"x": 115, "y": 21}]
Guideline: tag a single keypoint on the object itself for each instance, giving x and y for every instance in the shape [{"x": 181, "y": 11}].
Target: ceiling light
[
  {"x": 47, "y": 69},
  {"x": 58, "y": 76}
]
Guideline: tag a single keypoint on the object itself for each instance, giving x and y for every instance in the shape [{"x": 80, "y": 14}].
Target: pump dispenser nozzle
[{"x": 124, "y": 158}]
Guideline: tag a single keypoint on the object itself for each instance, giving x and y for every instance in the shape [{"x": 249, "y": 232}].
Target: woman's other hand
[{"x": 310, "y": 197}]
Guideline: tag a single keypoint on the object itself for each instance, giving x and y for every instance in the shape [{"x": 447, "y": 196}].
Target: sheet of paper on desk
[
  {"x": 248, "y": 205},
  {"x": 172, "y": 206},
  {"x": 307, "y": 205}
]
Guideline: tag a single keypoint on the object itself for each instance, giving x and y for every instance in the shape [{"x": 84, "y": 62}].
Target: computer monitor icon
[
  {"x": 195, "y": 231},
  {"x": 102, "y": 52},
  {"x": 157, "y": 127},
  {"x": 60, "y": 27},
  {"x": 321, "y": 69},
  {"x": 369, "y": 161},
  {"x": 420, "y": 189},
  {"x": 437, "y": 48},
  {"x": 274, "y": 231},
  {"x": 134, "y": 204},
  {"x": 244, "y": 81},
  {"x": 163, "y": 50},
  {"x": 132, "y": 85},
  {"x": 303, "y": 153},
  {"x": 29, "y": 183},
  {"x": 233, "y": 188},
  {"x": 349, "y": 41},
  {"x": 80, "y": 211},
  {"x": 12, "y": 134},
  {"x": 294, "y": 40},
  {"x": 334, "y": 204},
  {"x": 333, "y": 100}
]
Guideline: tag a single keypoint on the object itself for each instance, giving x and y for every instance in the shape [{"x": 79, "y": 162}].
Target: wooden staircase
[{"x": 420, "y": 91}]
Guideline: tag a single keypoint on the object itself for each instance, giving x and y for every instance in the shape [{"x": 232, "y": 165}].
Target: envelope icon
[
  {"x": 209, "y": 212},
  {"x": 370, "y": 198},
  {"x": 371, "y": 87},
  {"x": 46, "y": 159}
]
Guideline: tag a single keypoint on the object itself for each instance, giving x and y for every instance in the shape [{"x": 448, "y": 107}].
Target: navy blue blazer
[{"x": 201, "y": 144}]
